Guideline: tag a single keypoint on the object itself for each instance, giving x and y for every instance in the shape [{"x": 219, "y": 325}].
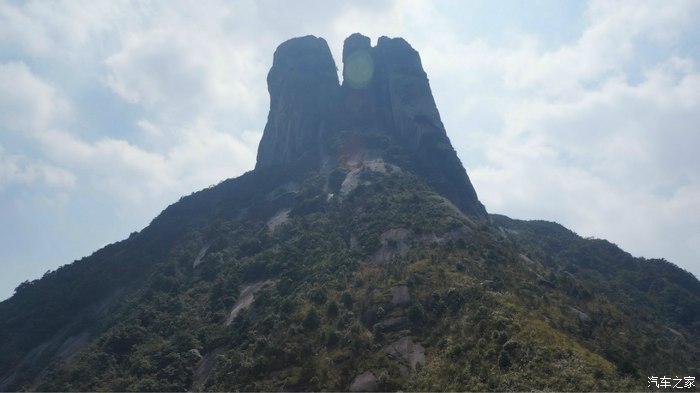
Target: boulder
[
  {"x": 194, "y": 352},
  {"x": 365, "y": 382},
  {"x": 394, "y": 323},
  {"x": 582, "y": 316},
  {"x": 400, "y": 295},
  {"x": 406, "y": 349}
]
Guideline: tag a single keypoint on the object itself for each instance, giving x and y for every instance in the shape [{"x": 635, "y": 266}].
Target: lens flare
[{"x": 359, "y": 69}]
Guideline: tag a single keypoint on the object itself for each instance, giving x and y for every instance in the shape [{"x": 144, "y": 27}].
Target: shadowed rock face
[
  {"x": 385, "y": 90},
  {"x": 301, "y": 83}
]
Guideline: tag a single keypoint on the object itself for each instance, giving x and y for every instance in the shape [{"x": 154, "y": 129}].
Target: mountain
[{"x": 356, "y": 256}]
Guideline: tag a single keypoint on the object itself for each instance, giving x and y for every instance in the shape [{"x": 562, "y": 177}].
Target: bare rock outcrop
[
  {"x": 302, "y": 84},
  {"x": 365, "y": 382},
  {"x": 407, "y": 350},
  {"x": 400, "y": 295},
  {"x": 245, "y": 299},
  {"x": 385, "y": 91}
]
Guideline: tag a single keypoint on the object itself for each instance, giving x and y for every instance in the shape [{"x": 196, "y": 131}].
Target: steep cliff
[
  {"x": 302, "y": 83},
  {"x": 385, "y": 92}
]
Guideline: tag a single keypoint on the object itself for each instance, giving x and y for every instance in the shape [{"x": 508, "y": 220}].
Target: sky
[{"x": 583, "y": 113}]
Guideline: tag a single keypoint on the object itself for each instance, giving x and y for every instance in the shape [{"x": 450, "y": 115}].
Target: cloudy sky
[{"x": 584, "y": 113}]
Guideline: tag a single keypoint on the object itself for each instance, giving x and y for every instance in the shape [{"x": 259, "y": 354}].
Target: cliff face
[
  {"x": 385, "y": 89},
  {"x": 301, "y": 83}
]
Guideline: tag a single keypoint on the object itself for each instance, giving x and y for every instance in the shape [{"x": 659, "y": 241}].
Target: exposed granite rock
[
  {"x": 194, "y": 352},
  {"x": 361, "y": 100},
  {"x": 409, "y": 106},
  {"x": 302, "y": 84},
  {"x": 407, "y": 97},
  {"x": 394, "y": 242},
  {"x": 582, "y": 316},
  {"x": 543, "y": 281},
  {"x": 393, "y": 324},
  {"x": 202, "y": 252},
  {"x": 385, "y": 91},
  {"x": 365, "y": 382},
  {"x": 278, "y": 219},
  {"x": 406, "y": 349},
  {"x": 245, "y": 299},
  {"x": 204, "y": 368},
  {"x": 400, "y": 295},
  {"x": 358, "y": 67},
  {"x": 353, "y": 178},
  {"x": 675, "y": 333}
]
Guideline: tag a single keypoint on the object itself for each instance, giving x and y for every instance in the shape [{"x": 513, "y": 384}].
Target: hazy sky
[{"x": 584, "y": 113}]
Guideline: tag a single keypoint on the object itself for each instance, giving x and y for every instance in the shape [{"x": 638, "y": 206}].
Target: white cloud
[
  {"x": 27, "y": 103},
  {"x": 131, "y": 174},
  {"x": 178, "y": 71},
  {"x": 187, "y": 65},
  {"x": 57, "y": 29},
  {"x": 192, "y": 80},
  {"x": 17, "y": 169}
]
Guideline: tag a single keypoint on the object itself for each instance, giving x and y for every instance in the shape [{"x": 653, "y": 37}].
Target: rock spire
[
  {"x": 301, "y": 82},
  {"x": 384, "y": 89}
]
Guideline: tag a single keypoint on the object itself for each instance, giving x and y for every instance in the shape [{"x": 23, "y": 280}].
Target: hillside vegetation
[{"x": 388, "y": 278}]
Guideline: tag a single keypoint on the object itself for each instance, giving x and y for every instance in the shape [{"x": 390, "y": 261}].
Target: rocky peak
[
  {"x": 412, "y": 116},
  {"x": 384, "y": 89},
  {"x": 302, "y": 83},
  {"x": 355, "y": 42}
]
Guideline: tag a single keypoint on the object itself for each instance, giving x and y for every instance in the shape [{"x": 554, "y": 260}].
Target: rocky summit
[
  {"x": 356, "y": 256},
  {"x": 384, "y": 105}
]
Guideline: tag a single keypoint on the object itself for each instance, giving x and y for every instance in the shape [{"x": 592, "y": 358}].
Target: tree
[
  {"x": 311, "y": 320},
  {"x": 332, "y": 309}
]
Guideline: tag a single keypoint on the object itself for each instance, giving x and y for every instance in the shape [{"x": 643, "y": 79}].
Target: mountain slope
[{"x": 356, "y": 256}]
